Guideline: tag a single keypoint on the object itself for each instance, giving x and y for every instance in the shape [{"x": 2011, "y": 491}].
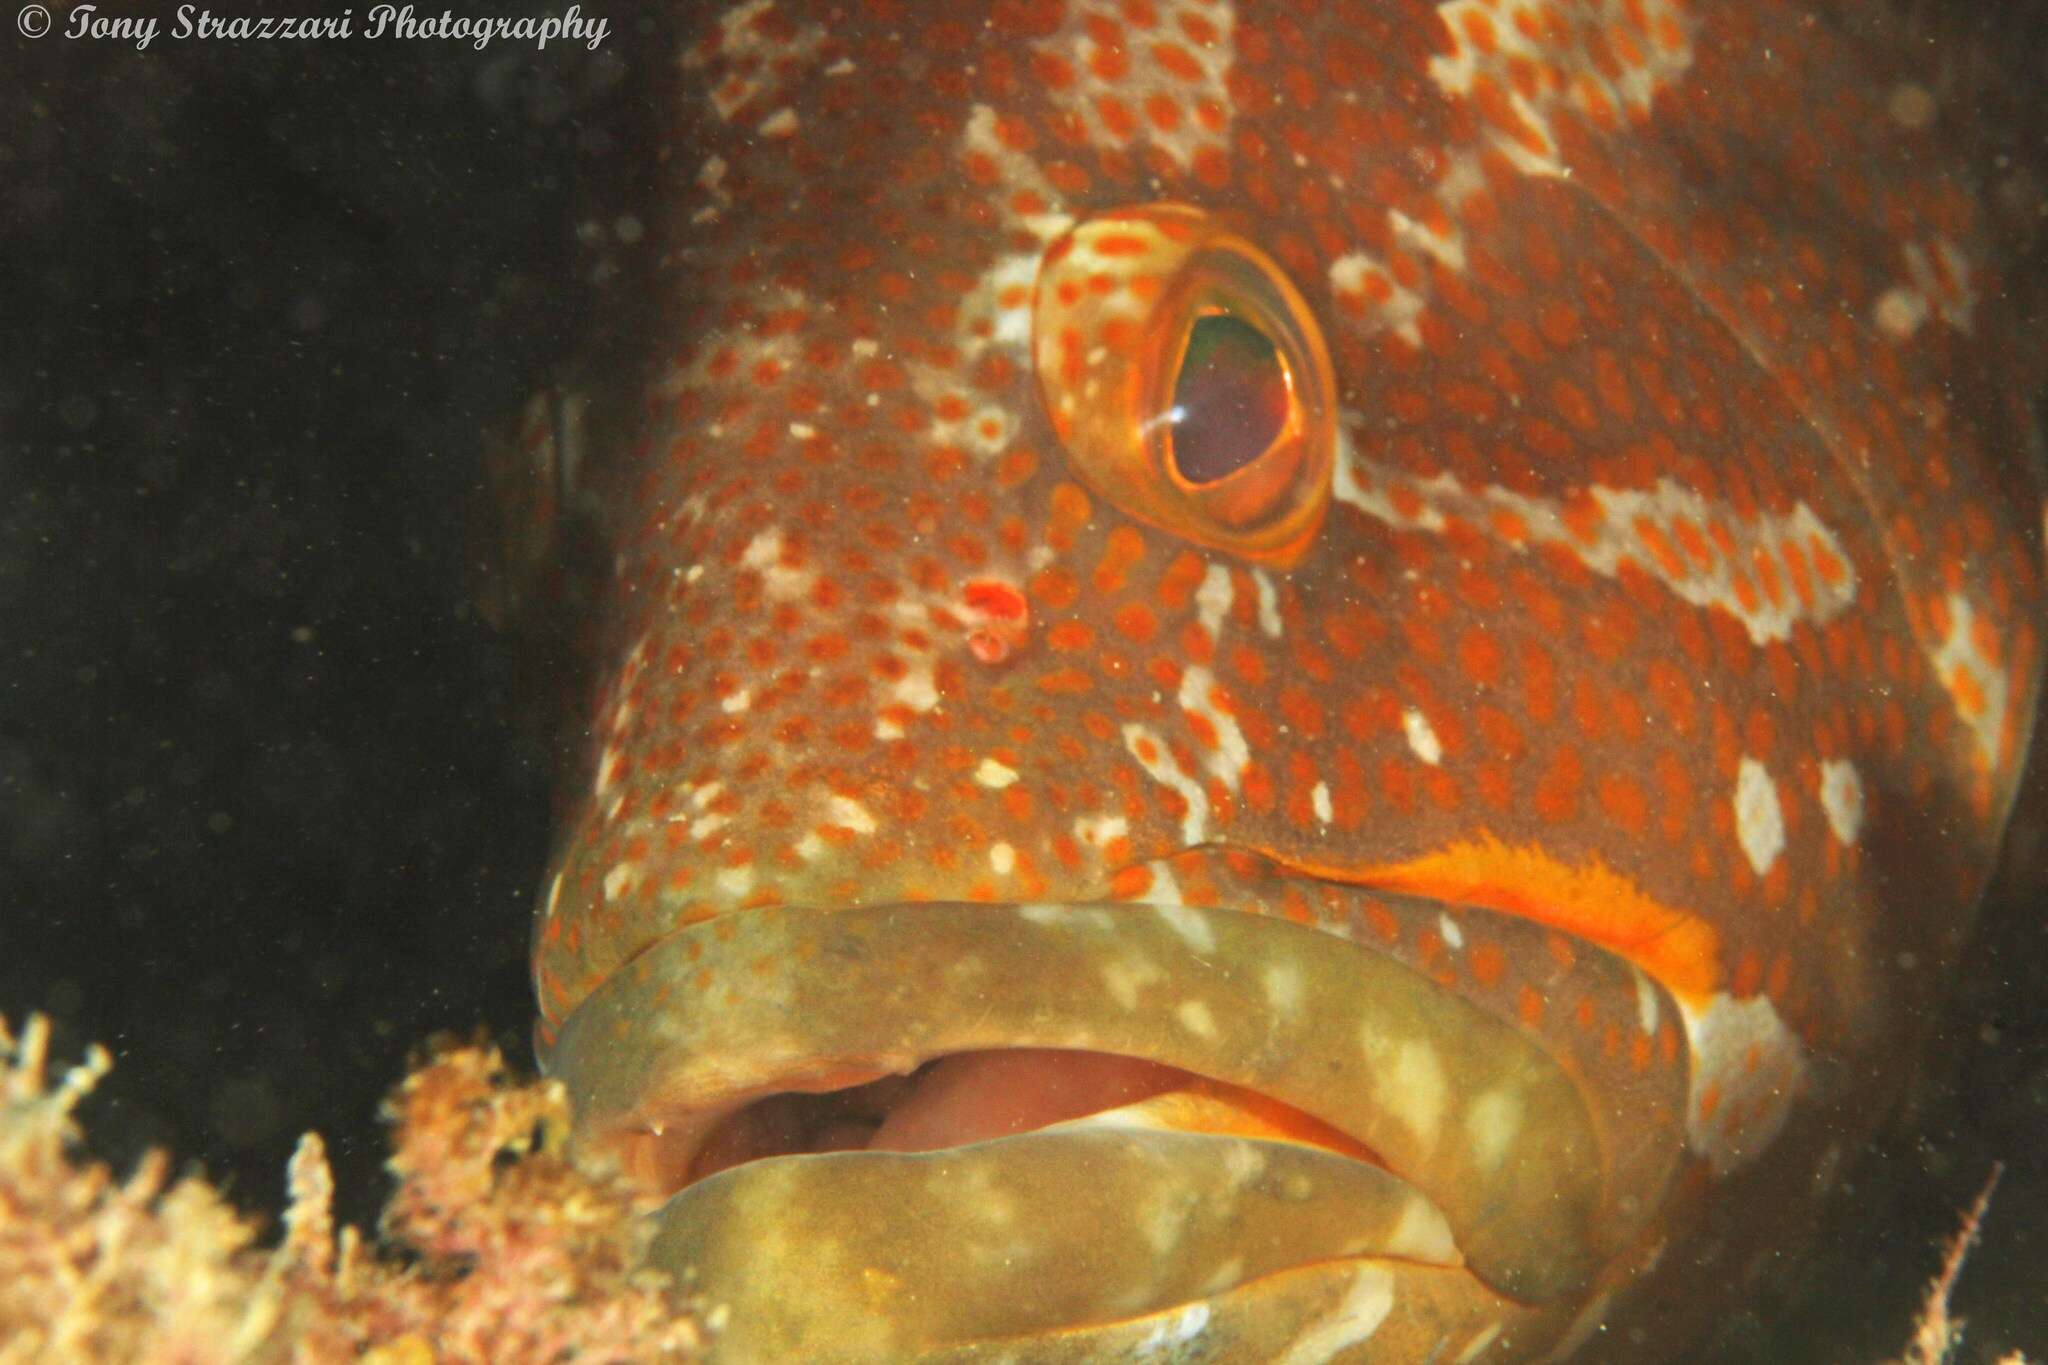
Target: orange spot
[
  {"x": 1488, "y": 964},
  {"x": 1124, "y": 548},
  {"x": 1130, "y": 883},
  {"x": 1177, "y": 585},
  {"x": 1212, "y": 168},
  {"x": 1625, "y": 804},
  {"x": 1660, "y": 547},
  {"x": 1968, "y": 693},
  {"x": 1055, "y": 589},
  {"x": 1016, "y": 467},
  {"x": 1177, "y": 61},
  {"x": 1070, "y": 637},
  {"x": 1479, "y": 656},
  {"x": 1070, "y": 512},
  {"x": 1382, "y": 922},
  {"x": 1066, "y": 681},
  {"x": 1588, "y": 900},
  {"x": 1825, "y": 562}
]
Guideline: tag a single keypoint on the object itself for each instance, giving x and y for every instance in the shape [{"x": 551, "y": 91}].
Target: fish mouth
[{"x": 1082, "y": 1126}]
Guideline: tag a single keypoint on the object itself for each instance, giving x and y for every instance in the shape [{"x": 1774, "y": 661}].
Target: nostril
[{"x": 998, "y": 616}]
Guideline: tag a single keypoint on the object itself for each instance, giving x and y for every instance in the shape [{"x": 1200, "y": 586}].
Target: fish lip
[
  {"x": 958, "y": 1248},
  {"x": 648, "y": 1045}
]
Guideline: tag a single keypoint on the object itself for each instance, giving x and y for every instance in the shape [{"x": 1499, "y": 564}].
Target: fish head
[{"x": 1263, "y": 700}]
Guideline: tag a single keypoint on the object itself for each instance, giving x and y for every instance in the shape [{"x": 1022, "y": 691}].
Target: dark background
[{"x": 273, "y": 806}]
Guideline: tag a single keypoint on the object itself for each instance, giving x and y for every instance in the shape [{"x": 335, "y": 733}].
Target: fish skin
[{"x": 1655, "y": 683}]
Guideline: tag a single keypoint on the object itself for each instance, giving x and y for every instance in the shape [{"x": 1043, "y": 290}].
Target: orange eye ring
[{"x": 1139, "y": 309}]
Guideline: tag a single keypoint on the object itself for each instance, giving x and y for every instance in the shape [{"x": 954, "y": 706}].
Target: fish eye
[
  {"x": 1187, "y": 380},
  {"x": 1230, "y": 399}
]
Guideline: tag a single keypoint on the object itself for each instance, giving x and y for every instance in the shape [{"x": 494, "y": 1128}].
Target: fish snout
[{"x": 1083, "y": 1129}]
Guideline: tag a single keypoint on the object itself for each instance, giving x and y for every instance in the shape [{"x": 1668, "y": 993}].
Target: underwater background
[{"x": 274, "y": 798}]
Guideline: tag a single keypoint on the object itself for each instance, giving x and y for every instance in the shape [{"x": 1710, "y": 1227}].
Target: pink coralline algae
[{"x": 494, "y": 1247}]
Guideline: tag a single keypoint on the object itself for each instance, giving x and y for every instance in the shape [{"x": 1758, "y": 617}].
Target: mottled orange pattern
[{"x": 1671, "y": 599}]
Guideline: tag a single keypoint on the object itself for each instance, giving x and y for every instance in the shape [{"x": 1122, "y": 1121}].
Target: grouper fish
[{"x": 1284, "y": 681}]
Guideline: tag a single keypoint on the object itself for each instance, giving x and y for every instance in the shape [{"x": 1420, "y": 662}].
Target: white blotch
[
  {"x": 1099, "y": 831},
  {"x": 1492, "y": 1124},
  {"x": 1071, "y": 916},
  {"x": 736, "y": 881},
  {"x": 1751, "y": 1102},
  {"x": 1408, "y": 1081},
  {"x": 1421, "y": 1234},
  {"x": 781, "y": 581},
  {"x": 704, "y": 826},
  {"x": 1194, "y": 1016},
  {"x": 1162, "y": 767},
  {"x": 711, "y": 179},
  {"x": 1581, "y": 84},
  {"x": 1448, "y": 927},
  {"x": 1646, "y": 1003},
  {"x": 1899, "y": 311},
  {"x": 737, "y": 702},
  {"x": 1190, "y": 926},
  {"x": 781, "y": 123},
  {"x": 1759, "y": 821},
  {"x": 1319, "y": 801},
  {"x": 1605, "y": 542},
  {"x": 1177, "y": 1330},
  {"x": 1144, "y": 75},
  {"x": 1363, "y": 281},
  {"x": 1477, "y": 1346},
  {"x": 994, "y": 774},
  {"x": 618, "y": 880},
  {"x": 850, "y": 814},
  {"x": 1225, "y": 1276},
  {"x": 1910, "y": 104},
  {"x": 803, "y": 431},
  {"x": 1213, "y": 599},
  {"x": 1283, "y": 985},
  {"x": 1269, "y": 604},
  {"x": 1125, "y": 978},
  {"x": 700, "y": 797},
  {"x": 1163, "y": 889},
  {"x": 1958, "y": 656},
  {"x": 1841, "y": 797},
  {"x": 754, "y": 58},
  {"x": 1002, "y": 859},
  {"x": 1446, "y": 245},
  {"x": 1232, "y": 754},
  {"x": 1365, "y": 1306},
  {"x": 1938, "y": 278},
  {"x": 1422, "y": 736},
  {"x": 607, "y": 768},
  {"x": 915, "y": 689},
  {"x": 810, "y": 848}
]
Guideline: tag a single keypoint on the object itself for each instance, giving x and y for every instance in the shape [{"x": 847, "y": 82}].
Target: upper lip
[{"x": 1515, "y": 1145}]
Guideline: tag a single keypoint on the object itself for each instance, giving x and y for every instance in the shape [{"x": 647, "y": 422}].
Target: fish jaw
[{"x": 1498, "y": 1202}]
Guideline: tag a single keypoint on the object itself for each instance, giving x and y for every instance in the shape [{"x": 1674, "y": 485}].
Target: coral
[
  {"x": 494, "y": 1247},
  {"x": 1936, "y": 1334}
]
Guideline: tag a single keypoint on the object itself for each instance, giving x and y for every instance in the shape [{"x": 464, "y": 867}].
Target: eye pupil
[{"x": 1230, "y": 398}]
